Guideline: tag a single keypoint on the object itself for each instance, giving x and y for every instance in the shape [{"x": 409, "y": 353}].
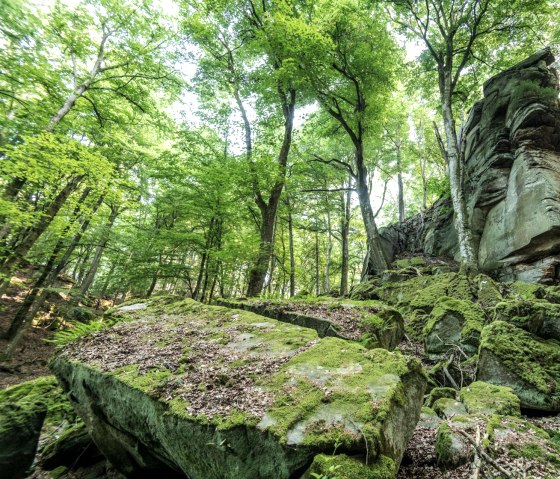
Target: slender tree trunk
[
  {"x": 400, "y": 184},
  {"x": 329, "y": 253},
  {"x": 467, "y": 247},
  {"x": 317, "y": 279},
  {"x": 291, "y": 248},
  {"x": 106, "y": 235},
  {"x": 344, "y": 233},
  {"x": 19, "y": 252},
  {"x": 152, "y": 284}
]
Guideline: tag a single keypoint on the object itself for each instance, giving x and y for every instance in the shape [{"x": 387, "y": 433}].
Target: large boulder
[
  {"x": 373, "y": 323},
  {"x": 24, "y": 409},
  {"x": 453, "y": 324},
  {"x": 512, "y": 151},
  {"x": 510, "y": 356},
  {"x": 209, "y": 392}
]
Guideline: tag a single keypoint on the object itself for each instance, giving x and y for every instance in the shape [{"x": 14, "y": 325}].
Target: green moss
[
  {"x": 444, "y": 454},
  {"x": 488, "y": 399},
  {"x": 535, "y": 360},
  {"x": 60, "y": 471},
  {"x": 342, "y": 466},
  {"x": 41, "y": 393},
  {"x": 526, "y": 291},
  {"x": 439, "y": 393},
  {"x": 470, "y": 314},
  {"x": 146, "y": 381},
  {"x": 488, "y": 293},
  {"x": 414, "y": 324},
  {"x": 355, "y": 382},
  {"x": 447, "y": 407}
]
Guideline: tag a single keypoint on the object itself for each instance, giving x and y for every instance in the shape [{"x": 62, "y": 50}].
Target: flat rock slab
[
  {"x": 133, "y": 307},
  {"x": 209, "y": 392},
  {"x": 370, "y": 322}
]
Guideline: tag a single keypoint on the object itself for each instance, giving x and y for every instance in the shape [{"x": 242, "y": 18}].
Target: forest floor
[{"x": 31, "y": 358}]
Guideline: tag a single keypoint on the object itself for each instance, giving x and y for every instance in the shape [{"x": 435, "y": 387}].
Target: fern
[{"x": 75, "y": 331}]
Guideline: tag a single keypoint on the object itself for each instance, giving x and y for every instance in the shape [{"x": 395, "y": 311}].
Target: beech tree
[{"x": 350, "y": 75}]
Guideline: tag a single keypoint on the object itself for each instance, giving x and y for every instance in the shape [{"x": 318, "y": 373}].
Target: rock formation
[
  {"x": 511, "y": 146},
  {"x": 210, "y": 392}
]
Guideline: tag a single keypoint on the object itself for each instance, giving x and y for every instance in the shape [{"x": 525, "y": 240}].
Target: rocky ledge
[{"x": 210, "y": 392}]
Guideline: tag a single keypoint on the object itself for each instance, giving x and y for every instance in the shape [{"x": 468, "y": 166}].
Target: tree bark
[
  {"x": 400, "y": 184},
  {"x": 344, "y": 233},
  {"x": 329, "y": 253},
  {"x": 291, "y": 248},
  {"x": 106, "y": 235},
  {"x": 467, "y": 247},
  {"x": 317, "y": 279},
  {"x": 376, "y": 262},
  {"x": 268, "y": 210}
]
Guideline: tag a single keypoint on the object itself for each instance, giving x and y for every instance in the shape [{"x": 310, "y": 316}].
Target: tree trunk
[
  {"x": 257, "y": 275},
  {"x": 467, "y": 247},
  {"x": 292, "y": 255},
  {"x": 329, "y": 253},
  {"x": 400, "y": 184},
  {"x": 317, "y": 279},
  {"x": 344, "y": 232},
  {"x": 376, "y": 261},
  {"x": 268, "y": 210},
  {"x": 36, "y": 231},
  {"x": 106, "y": 234}
]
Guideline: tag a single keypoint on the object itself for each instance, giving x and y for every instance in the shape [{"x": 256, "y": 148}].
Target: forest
[{"x": 370, "y": 187}]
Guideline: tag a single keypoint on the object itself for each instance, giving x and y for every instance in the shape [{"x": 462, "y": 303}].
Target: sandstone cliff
[{"x": 511, "y": 145}]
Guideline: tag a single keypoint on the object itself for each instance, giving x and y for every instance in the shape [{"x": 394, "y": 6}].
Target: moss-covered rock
[
  {"x": 452, "y": 323},
  {"x": 488, "y": 399},
  {"x": 423, "y": 292},
  {"x": 451, "y": 449},
  {"x": 373, "y": 323},
  {"x": 24, "y": 409},
  {"x": 439, "y": 393},
  {"x": 213, "y": 392},
  {"x": 447, "y": 408},
  {"x": 510, "y": 356},
  {"x": 365, "y": 290},
  {"x": 344, "y": 467}
]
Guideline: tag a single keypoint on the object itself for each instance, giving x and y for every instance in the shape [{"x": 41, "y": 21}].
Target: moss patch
[
  {"x": 488, "y": 399},
  {"x": 344, "y": 467},
  {"x": 533, "y": 359}
]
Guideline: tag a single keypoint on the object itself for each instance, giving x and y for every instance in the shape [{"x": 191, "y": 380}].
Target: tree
[{"x": 351, "y": 76}]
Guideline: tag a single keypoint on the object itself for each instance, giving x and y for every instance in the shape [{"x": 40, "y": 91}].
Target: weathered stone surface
[
  {"x": 512, "y": 152},
  {"x": 372, "y": 323},
  {"x": 210, "y": 392},
  {"x": 453, "y": 324},
  {"x": 510, "y": 356},
  {"x": 487, "y": 399}
]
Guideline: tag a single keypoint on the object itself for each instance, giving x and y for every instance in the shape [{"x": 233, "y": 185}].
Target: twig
[
  {"x": 477, "y": 464},
  {"x": 485, "y": 456}
]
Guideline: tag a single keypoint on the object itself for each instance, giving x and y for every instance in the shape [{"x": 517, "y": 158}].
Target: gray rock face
[{"x": 511, "y": 143}]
